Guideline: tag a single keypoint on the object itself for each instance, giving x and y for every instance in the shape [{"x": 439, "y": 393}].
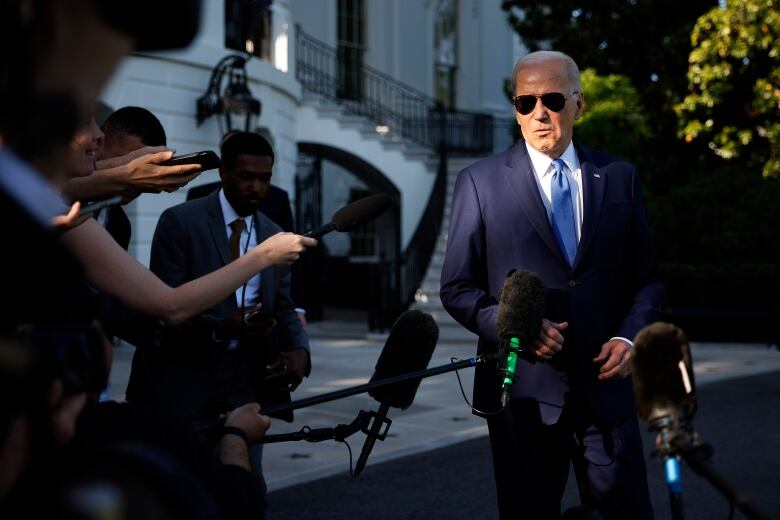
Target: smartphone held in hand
[{"x": 207, "y": 159}]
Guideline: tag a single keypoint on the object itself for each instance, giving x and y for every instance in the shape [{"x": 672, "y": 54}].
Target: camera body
[{"x": 74, "y": 355}]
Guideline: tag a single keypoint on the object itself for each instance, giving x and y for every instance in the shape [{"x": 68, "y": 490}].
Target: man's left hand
[
  {"x": 293, "y": 367},
  {"x": 615, "y": 360}
]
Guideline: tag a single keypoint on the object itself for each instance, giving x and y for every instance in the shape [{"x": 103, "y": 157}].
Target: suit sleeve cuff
[{"x": 628, "y": 341}]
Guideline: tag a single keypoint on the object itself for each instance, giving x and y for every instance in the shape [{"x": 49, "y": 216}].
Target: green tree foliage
[
  {"x": 734, "y": 83},
  {"x": 614, "y": 119}
]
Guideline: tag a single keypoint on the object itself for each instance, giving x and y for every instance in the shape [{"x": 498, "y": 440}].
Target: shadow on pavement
[{"x": 739, "y": 417}]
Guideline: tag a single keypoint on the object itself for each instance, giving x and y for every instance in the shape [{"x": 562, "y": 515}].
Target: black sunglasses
[{"x": 555, "y": 101}]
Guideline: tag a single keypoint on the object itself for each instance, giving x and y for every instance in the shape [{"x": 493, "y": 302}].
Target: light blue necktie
[{"x": 563, "y": 222}]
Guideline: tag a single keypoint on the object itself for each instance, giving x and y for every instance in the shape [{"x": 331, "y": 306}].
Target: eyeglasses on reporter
[{"x": 554, "y": 101}]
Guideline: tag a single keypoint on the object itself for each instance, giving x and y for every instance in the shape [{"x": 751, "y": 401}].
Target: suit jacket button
[{"x": 572, "y": 283}]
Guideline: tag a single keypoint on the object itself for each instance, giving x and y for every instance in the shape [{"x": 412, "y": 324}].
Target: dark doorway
[{"x": 357, "y": 269}]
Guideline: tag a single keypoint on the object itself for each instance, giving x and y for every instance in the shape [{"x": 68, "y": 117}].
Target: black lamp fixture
[{"x": 235, "y": 102}]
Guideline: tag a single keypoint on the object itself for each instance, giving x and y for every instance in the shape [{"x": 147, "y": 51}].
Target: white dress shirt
[
  {"x": 543, "y": 172},
  {"x": 248, "y": 240}
]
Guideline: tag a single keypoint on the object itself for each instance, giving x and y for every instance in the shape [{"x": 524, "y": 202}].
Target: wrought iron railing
[
  {"x": 385, "y": 101},
  {"x": 417, "y": 255}
]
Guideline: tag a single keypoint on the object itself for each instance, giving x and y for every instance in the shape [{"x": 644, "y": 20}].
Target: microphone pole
[
  {"x": 371, "y": 436},
  {"x": 207, "y": 426},
  {"x": 666, "y": 428},
  {"x": 698, "y": 458},
  {"x": 379, "y": 383}
]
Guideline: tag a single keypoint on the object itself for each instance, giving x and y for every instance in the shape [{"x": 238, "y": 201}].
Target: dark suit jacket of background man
[
  {"x": 276, "y": 206},
  {"x": 499, "y": 223},
  {"x": 118, "y": 226},
  {"x": 191, "y": 241}
]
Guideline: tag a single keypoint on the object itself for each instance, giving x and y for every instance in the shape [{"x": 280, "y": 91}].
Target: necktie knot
[
  {"x": 559, "y": 165},
  {"x": 238, "y": 225}
]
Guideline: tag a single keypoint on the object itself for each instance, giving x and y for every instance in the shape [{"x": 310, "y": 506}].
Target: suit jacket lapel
[
  {"x": 593, "y": 185},
  {"x": 520, "y": 176},
  {"x": 216, "y": 223},
  {"x": 267, "y": 282}
]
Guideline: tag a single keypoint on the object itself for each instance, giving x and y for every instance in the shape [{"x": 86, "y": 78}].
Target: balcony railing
[{"x": 387, "y": 102}]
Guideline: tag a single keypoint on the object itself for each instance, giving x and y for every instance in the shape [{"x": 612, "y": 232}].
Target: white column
[{"x": 282, "y": 34}]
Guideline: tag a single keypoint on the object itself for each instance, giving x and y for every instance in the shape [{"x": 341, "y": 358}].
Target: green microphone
[{"x": 519, "y": 319}]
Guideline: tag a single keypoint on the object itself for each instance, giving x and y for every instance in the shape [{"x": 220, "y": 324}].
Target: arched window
[{"x": 248, "y": 27}]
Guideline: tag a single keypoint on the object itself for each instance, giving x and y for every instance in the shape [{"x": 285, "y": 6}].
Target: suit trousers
[{"x": 531, "y": 462}]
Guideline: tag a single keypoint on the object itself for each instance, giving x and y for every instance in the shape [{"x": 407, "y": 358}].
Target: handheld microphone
[
  {"x": 408, "y": 348},
  {"x": 354, "y": 215},
  {"x": 519, "y": 320}
]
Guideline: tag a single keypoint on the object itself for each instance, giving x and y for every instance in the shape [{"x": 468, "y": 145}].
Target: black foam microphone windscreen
[
  {"x": 408, "y": 348},
  {"x": 361, "y": 212},
  {"x": 521, "y": 306},
  {"x": 663, "y": 372},
  {"x": 354, "y": 215}
]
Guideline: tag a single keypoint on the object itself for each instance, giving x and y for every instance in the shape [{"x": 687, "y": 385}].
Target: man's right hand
[
  {"x": 550, "y": 340},
  {"x": 247, "y": 418},
  {"x": 236, "y": 325}
]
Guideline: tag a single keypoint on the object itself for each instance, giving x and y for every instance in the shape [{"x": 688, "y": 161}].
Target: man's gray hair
[{"x": 538, "y": 57}]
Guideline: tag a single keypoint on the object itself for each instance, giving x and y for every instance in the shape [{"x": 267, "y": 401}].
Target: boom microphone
[
  {"x": 665, "y": 396},
  {"x": 519, "y": 319},
  {"x": 408, "y": 348},
  {"x": 662, "y": 370},
  {"x": 354, "y": 215}
]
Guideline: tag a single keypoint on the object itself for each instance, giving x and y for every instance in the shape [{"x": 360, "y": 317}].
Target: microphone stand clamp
[{"x": 338, "y": 433}]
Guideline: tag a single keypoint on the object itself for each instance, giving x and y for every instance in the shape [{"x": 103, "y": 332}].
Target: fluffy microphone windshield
[
  {"x": 361, "y": 212},
  {"x": 521, "y": 306},
  {"x": 409, "y": 348},
  {"x": 662, "y": 372}
]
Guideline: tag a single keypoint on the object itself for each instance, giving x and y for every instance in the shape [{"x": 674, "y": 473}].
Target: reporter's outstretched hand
[
  {"x": 145, "y": 174},
  {"x": 284, "y": 248},
  {"x": 113, "y": 162}
]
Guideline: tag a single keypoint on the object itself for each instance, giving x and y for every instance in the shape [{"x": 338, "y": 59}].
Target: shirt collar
[
  {"x": 541, "y": 163},
  {"x": 228, "y": 213}
]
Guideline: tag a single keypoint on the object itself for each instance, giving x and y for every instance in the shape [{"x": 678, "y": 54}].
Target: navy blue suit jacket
[{"x": 499, "y": 223}]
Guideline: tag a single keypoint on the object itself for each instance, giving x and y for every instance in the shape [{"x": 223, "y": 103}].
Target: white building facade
[{"x": 457, "y": 52}]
